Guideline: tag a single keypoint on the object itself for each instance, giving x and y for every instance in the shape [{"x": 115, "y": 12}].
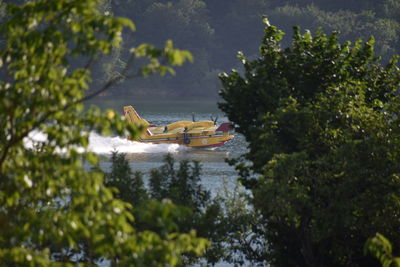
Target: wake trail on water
[
  {"x": 100, "y": 144},
  {"x": 106, "y": 145}
]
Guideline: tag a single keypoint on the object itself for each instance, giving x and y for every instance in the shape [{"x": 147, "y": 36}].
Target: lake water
[
  {"x": 216, "y": 173},
  {"x": 143, "y": 157}
]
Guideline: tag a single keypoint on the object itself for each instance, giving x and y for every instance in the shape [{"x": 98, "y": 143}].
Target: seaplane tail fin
[
  {"x": 133, "y": 117},
  {"x": 224, "y": 127}
]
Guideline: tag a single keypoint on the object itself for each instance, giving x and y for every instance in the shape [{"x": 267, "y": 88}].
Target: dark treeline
[{"x": 214, "y": 31}]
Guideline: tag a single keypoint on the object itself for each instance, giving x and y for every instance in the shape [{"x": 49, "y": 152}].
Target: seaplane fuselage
[{"x": 197, "y": 134}]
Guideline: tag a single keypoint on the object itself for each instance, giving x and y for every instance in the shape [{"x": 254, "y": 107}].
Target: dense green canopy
[
  {"x": 52, "y": 209},
  {"x": 322, "y": 121}
]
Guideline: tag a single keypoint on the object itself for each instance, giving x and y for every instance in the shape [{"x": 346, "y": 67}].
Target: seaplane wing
[
  {"x": 156, "y": 130},
  {"x": 204, "y": 130},
  {"x": 196, "y": 130},
  {"x": 177, "y": 130},
  {"x": 200, "y": 134}
]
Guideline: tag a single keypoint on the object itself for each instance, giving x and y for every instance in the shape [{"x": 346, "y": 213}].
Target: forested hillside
[{"x": 215, "y": 30}]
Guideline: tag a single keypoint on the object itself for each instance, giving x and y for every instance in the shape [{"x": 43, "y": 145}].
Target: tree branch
[
  {"x": 16, "y": 139},
  {"x": 110, "y": 83}
]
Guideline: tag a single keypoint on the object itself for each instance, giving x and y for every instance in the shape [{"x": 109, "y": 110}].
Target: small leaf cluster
[
  {"x": 382, "y": 249},
  {"x": 157, "y": 57}
]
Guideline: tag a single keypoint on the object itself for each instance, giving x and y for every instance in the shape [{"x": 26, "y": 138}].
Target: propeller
[{"x": 214, "y": 120}]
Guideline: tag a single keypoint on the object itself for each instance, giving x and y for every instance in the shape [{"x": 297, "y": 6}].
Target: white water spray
[{"x": 106, "y": 145}]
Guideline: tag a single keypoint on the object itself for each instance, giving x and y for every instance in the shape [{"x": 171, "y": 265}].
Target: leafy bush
[{"x": 322, "y": 122}]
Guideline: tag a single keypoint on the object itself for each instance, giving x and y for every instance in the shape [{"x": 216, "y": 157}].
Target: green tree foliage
[
  {"x": 322, "y": 122},
  {"x": 176, "y": 201},
  {"x": 52, "y": 209},
  {"x": 351, "y": 25},
  {"x": 381, "y": 248},
  {"x": 351, "y": 5},
  {"x": 391, "y": 9},
  {"x": 130, "y": 185},
  {"x": 182, "y": 186}
]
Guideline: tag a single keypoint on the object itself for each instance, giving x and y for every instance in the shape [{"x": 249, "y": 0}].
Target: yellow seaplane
[{"x": 197, "y": 134}]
